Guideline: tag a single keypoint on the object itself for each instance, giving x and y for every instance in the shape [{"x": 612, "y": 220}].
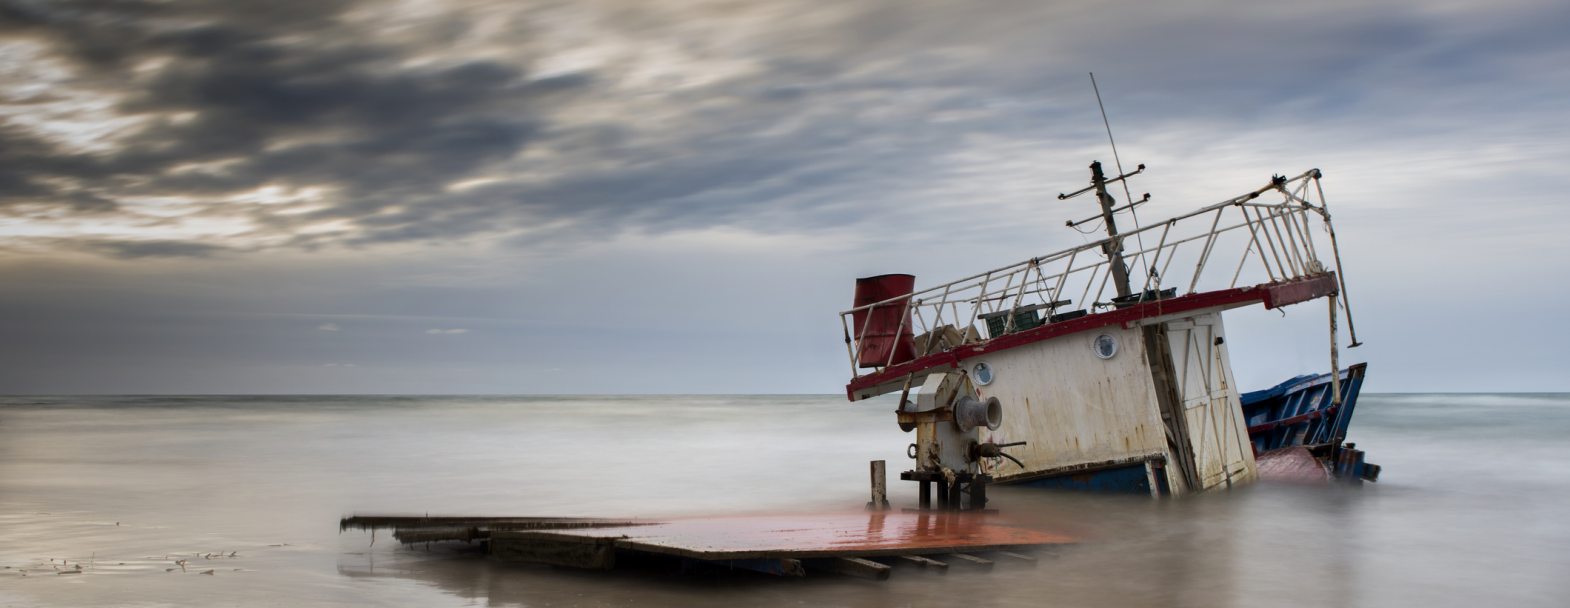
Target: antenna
[{"x": 1128, "y": 196}]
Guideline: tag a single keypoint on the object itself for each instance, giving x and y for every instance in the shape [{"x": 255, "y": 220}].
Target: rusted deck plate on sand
[
  {"x": 1294, "y": 464},
  {"x": 808, "y": 536}
]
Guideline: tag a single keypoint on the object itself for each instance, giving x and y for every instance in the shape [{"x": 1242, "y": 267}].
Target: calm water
[{"x": 1471, "y": 509}]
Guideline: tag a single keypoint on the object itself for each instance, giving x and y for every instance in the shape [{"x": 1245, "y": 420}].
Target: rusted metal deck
[{"x": 860, "y": 543}]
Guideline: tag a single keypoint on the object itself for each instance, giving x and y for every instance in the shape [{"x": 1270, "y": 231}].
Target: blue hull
[
  {"x": 1299, "y": 414},
  {"x": 1300, "y": 411}
]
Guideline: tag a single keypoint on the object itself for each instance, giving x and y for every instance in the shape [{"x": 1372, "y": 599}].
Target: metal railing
[{"x": 1278, "y": 238}]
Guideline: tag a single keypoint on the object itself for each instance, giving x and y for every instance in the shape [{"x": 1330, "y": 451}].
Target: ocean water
[{"x": 1471, "y": 508}]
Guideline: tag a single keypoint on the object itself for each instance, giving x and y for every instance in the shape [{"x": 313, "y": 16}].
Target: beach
[{"x": 204, "y": 500}]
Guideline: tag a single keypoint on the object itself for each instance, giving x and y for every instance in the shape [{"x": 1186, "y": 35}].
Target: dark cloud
[
  {"x": 290, "y": 97},
  {"x": 138, "y": 249},
  {"x": 282, "y": 166},
  {"x": 849, "y": 113}
]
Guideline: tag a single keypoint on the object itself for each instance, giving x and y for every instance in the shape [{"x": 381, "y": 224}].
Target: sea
[{"x": 236, "y": 501}]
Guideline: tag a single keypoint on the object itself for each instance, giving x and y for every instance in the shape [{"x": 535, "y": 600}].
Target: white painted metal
[
  {"x": 942, "y": 444},
  {"x": 1217, "y": 432},
  {"x": 1072, "y": 407},
  {"x": 1078, "y": 411}
]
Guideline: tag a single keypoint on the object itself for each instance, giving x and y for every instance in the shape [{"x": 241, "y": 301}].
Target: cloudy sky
[{"x": 606, "y": 196}]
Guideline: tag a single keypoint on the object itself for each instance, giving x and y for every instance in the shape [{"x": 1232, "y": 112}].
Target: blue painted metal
[
  {"x": 1126, "y": 479},
  {"x": 1300, "y": 411}
]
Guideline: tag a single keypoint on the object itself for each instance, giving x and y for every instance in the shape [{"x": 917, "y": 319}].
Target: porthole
[
  {"x": 981, "y": 374},
  {"x": 1105, "y": 346}
]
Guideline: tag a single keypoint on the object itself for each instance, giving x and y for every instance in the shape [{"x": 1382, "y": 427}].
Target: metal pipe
[
  {"x": 1240, "y": 262},
  {"x": 1237, "y": 200},
  {"x": 1253, "y": 236},
  {"x": 1204, "y": 254},
  {"x": 1336, "y": 249},
  {"x": 1271, "y": 243},
  {"x": 849, "y": 350},
  {"x": 1157, "y": 261}
]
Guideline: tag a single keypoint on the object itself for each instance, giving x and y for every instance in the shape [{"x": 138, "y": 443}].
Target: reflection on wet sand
[{"x": 1202, "y": 552}]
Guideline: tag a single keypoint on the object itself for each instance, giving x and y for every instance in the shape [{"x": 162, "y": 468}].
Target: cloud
[
  {"x": 319, "y": 125},
  {"x": 448, "y": 332},
  {"x": 328, "y": 327},
  {"x": 150, "y": 248}
]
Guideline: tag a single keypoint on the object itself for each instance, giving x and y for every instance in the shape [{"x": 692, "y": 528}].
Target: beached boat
[{"x": 1106, "y": 366}]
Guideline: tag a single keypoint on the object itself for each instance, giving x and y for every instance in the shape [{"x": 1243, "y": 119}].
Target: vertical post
[
  {"x": 1335, "y": 363},
  {"x": 1336, "y": 250},
  {"x": 978, "y": 493},
  {"x": 943, "y": 493},
  {"x": 1114, "y": 248},
  {"x": 925, "y": 501},
  {"x": 880, "y": 487}
]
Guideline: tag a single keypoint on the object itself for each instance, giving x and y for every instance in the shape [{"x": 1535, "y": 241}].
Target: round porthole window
[
  {"x": 982, "y": 374},
  {"x": 1105, "y": 346}
]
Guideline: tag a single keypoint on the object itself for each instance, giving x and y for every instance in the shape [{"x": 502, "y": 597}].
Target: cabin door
[{"x": 1216, "y": 429}]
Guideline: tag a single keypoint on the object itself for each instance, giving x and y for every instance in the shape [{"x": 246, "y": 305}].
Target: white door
[{"x": 1216, "y": 428}]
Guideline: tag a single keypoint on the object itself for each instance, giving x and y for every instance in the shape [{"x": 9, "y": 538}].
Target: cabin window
[
  {"x": 982, "y": 374},
  {"x": 1105, "y": 346}
]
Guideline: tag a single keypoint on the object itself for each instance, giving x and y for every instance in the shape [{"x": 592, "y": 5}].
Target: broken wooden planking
[
  {"x": 371, "y": 522},
  {"x": 851, "y": 566},
  {"x": 596, "y": 554},
  {"x": 970, "y": 560},
  {"x": 924, "y": 562},
  {"x": 1019, "y": 557}
]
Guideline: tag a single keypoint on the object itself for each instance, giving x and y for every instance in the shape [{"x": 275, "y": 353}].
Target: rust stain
[{"x": 851, "y": 532}]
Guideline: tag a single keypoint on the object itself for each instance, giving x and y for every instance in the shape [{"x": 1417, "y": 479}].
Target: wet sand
[{"x": 247, "y": 493}]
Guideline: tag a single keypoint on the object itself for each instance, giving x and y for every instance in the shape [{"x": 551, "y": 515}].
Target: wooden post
[
  {"x": 1114, "y": 248},
  {"x": 880, "y": 487},
  {"x": 978, "y": 494}
]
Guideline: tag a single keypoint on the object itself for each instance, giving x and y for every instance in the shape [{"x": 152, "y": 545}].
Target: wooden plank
[
  {"x": 430, "y": 535},
  {"x": 970, "y": 560},
  {"x": 1019, "y": 557},
  {"x": 924, "y": 562},
  {"x": 368, "y": 522},
  {"x": 776, "y": 567},
  {"x": 518, "y": 547},
  {"x": 852, "y": 566}
]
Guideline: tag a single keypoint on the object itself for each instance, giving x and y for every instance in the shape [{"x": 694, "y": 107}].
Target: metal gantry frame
[{"x": 1278, "y": 236}]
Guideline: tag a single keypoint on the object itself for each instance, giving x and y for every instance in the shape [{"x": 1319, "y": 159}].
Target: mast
[
  {"x": 1158, "y": 347},
  {"x": 1114, "y": 247}
]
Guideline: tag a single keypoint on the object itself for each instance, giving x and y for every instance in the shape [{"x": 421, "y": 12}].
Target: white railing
[{"x": 1254, "y": 241}]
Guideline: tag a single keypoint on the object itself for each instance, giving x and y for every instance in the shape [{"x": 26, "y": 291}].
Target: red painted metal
[
  {"x": 1295, "y": 464},
  {"x": 886, "y": 327},
  {"x": 1273, "y": 424},
  {"x": 1293, "y": 292},
  {"x": 820, "y": 535},
  {"x": 1274, "y": 295}
]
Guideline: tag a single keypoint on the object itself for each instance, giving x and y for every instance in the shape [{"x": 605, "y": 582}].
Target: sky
[{"x": 602, "y": 196}]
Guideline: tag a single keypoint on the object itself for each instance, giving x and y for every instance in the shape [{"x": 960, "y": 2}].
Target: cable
[{"x": 1127, "y": 195}]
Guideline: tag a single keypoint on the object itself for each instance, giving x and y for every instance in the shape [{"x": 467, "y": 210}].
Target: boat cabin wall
[
  {"x": 1217, "y": 430},
  {"x": 1079, "y": 400}
]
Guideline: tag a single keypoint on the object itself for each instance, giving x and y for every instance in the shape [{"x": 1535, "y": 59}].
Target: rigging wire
[{"x": 1127, "y": 195}]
